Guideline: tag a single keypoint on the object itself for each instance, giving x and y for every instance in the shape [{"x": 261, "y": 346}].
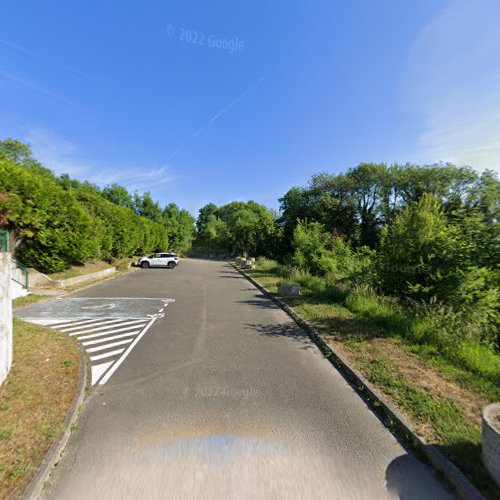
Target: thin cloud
[
  {"x": 222, "y": 112},
  {"x": 17, "y": 48},
  {"x": 56, "y": 153},
  {"x": 453, "y": 82},
  {"x": 78, "y": 73},
  {"x": 23, "y": 83},
  {"x": 276, "y": 67},
  {"x": 64, "y": 157}
]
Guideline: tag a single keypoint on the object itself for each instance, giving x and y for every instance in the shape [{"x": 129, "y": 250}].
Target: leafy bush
[
  {"x": 237, "y": 228},
  {"x": 56, "y": 230},
  {"x": 425, "y": 257},
  {"x": 322, "y": 253},
  {"x": 59, "y": 223}
]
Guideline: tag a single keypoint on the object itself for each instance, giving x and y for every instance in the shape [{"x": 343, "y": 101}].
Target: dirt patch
[
  {"x": 419, "y": 374},
  {"x": 430, "y": 379},
  {"x": 79, "y": 270},
  {"x": 34, "y": 402}
]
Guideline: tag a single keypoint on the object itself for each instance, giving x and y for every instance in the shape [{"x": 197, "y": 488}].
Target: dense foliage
[
  {"x": 425, "y": 236},
  {"x": 428, "y": 236},
  {"x": 59, "y": 221},
  {"x": 237, "y": 227}
]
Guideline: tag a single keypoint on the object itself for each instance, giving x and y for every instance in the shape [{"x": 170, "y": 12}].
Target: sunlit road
[{"x": 224, "y": 397}]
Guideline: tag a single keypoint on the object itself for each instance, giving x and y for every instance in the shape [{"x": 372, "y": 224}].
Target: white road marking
[
  {"x": 110, "y": 332},
  {"x": 127, "y": 352},
  {"x": 98, "y": 327},
  {"x": 107, "y": 339},
  {"x": 122, "y": 298},
  {"x": 51, "y": 322},
  {"x": 98, "y": 370},
  {"x": 98, "y": 308},
  {"x": 106, "y": 355},
  {"x": 108, "y": 346},
  {"x": 86, "y": 322},
  {"x": 84, "y": 337}
]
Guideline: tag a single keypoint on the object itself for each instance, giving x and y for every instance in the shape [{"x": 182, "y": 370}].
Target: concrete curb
[
  {"x": 84, "y": 277},
  {"x": 39, "y": 277},
  {"x": 395, "y": 421},
  {"x": 65, "y": 293},
  {"x": 36, "y": 485}
]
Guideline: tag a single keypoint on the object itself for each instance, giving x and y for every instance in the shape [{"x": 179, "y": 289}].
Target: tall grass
[{"x": 448, "y": 333}]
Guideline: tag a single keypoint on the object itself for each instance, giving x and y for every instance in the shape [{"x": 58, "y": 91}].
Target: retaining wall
[{"x": 84, "y": 277}]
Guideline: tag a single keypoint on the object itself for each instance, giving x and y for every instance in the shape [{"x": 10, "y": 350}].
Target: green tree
[
  {"x": 145, "y": 206},
  {"x": 118, "y": 195}
]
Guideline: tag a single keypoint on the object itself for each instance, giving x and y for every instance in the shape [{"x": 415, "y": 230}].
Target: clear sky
[{"x": 202, "y": 101}]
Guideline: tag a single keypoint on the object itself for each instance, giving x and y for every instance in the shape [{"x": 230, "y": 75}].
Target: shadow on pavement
[
  {"x": 408, "y": 478},
  {"x": 261, "y": 301},
  {"x": 282, "y": 330},
  {"x": 229, "y": 274}
]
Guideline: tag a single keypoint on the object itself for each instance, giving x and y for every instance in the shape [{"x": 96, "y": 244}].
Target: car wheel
[
  {"x": 170, "y": 265},
  {"x": 144, "y": 265}
]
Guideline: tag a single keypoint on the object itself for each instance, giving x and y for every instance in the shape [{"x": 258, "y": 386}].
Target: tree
[
  {"x": 179, "y": 226},
  {"x": 237, "y": 227},
  {"x": 145, "y": 206},
  {"x": 118, "y": 195}
]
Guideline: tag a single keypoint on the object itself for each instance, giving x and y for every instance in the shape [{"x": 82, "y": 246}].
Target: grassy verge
[
  {"x": 122, "y": 267},
  {"x": 28, "y": 299},
  {"x": 34, "y": 402},
  {"x": 441, "y": 394}
]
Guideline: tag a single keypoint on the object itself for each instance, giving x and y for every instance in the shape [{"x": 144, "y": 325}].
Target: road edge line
[
  {"x": 403, "y": 429},
  {"x": 53, "y": 455}
]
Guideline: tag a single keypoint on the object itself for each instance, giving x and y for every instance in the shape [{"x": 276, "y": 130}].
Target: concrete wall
[
  {"x": 17, "y": 290},
  {"x": 39, "y": 280},
  {"x": 84, "y": 277},
  {"x": 18, "y": 277},
  {"x": 5, "y": 315}
]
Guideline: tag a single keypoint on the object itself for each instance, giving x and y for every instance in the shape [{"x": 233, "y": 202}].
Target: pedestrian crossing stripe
[{"x": 106, "y": 340}]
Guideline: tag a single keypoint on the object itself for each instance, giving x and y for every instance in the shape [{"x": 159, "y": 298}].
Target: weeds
[{"x": 390, "y": 341}]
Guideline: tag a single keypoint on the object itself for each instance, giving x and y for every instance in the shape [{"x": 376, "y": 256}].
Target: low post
[
  {"x": 288, "y": 290},
  {"x": 491, "y": 440}
]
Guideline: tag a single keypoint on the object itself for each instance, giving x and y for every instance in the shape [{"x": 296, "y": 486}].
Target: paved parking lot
[
  {"x": 223, "y": 397},
  {"x": 108, "y": 328}
]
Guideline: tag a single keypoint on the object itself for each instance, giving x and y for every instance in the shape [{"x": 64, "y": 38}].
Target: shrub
[
  {"x": 57, "y": 226},
  {"x": 54, "y": 228},
  {"x": 321, "y": 253}
]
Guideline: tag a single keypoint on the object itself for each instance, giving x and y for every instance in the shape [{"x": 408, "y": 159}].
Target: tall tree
[{"x": 118, "y": 195}]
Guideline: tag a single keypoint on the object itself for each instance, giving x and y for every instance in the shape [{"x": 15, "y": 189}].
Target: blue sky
[{"x": 215, "y": 101}]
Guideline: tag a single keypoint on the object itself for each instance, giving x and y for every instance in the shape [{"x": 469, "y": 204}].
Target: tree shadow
[
  {"x": 261, "y": 301},
  {"x": 285, "y": 330}
]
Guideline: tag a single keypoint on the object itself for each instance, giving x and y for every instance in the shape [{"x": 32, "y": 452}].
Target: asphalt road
[{"x": 225, "y": 397}]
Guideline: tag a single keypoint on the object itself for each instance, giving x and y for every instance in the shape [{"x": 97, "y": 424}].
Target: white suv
[{"x": 169, "y": 260}]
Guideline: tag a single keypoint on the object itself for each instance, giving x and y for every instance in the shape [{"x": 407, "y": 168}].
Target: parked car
[{"x": 169, "y": 260}]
